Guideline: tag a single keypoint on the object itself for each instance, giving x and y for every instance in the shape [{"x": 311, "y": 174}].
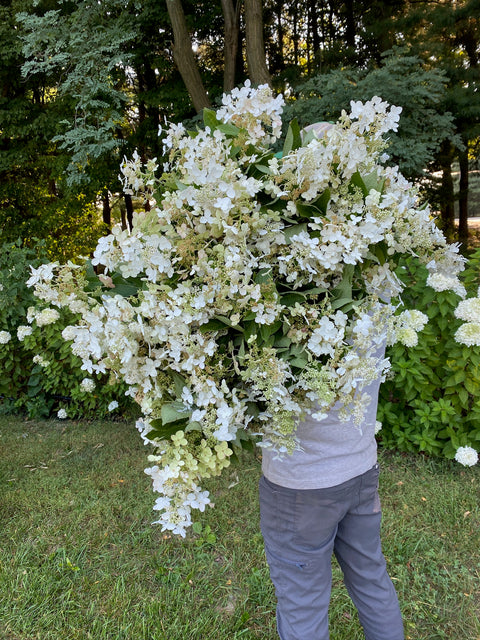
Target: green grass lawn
[{"x": 79, "y": 558}]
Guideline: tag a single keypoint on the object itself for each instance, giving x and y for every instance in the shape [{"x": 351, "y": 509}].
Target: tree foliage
[
  {"x": 88, "y": 80},
  {"x": 84, "y": 83},
  {"x": 35, "y": 200}
]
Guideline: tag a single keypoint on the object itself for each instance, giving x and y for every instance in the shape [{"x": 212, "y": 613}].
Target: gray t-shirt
[{"x": 331, "y": 452}]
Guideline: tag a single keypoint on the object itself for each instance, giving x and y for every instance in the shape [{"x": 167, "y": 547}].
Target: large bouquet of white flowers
[{"x": 256, "y": 290}]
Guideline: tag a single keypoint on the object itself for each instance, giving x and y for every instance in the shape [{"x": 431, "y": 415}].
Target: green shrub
[
  {"x": 15, "y": 298},
  {"x": 431, "y": 401},
  {"x": 40, "y": 374}
]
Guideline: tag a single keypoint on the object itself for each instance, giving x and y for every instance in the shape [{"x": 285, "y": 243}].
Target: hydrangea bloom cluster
[
  {"x": 87, "y": 385},
  {"x": 5, "y": 337},
  {"x": 469, "y": 311},
  {"x": 23, "y": 331},
  {"x": 404, "y": 327},
  {"x": 257, "y": 290},
  {"x": 466, "y": 456}
]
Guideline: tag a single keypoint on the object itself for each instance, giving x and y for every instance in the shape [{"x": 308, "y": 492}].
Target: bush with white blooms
[{"x": 258, "y": 288}]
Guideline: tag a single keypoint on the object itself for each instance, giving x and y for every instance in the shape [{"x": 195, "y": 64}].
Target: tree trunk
[
  {"x": 231, "y": 16},
  {"x": 184, "y": 58},
  {"x": 142, "y": 111},
  {"x": 280, "y": 36},
  {"x": 129, "y": 211},
  {"x": 463, "y": 197},
  {"x": 256, "y": 61},
  {"x": 447, "y": 194},
  {"x": 308, "y": 40},
  {"x": 148, "y": 82},
  {"x": 106, "y": 210},
  {"x": 331, "y": 28},
  {"x": 123, "y": 215},
  {"x": 240, "y": 62},
  {"x": 295, "y": 34},
  {"x": 350, "y": 24},
  {"x": 313, "y": 15}
]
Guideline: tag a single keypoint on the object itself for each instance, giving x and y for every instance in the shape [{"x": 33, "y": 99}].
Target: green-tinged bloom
[{"x": 469, "y": 334}]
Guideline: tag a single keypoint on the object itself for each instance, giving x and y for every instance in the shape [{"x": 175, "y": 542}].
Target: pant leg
[
  {"x": 299, "y": 529},
  {"x": 358, "y": 550}
]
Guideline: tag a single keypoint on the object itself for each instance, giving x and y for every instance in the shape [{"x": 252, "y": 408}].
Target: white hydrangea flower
[
  {"x": 223, "y": 260},
  {"x": 40, "y": 360},
  {"x": 87, "y": 385},
  {"x": 469, "y": 334},
  {"x": 416, "y": 319},
  {"x": 69, "y": 333},
  {"x": 442, "y": 282},
  {"x": 468, "y": 310},
  {"x": 254, "y": 109},
  {"x": 113, "y": 405},
  {"x": 466, "y": 456},
  {"x": 5, "y": 337},
  {"x": 62, "y": 414},
  {"x": 328, "y": 334},
  {"x": 46, "y": 316},
  {"x": 367, "y": 115},
  {"x": 31, "y": 312},
  {"x": 198, "y": 499},
  {"x": 43, "y": 273},
  {"x": 23, "y": 331},
  {"x": 404, "y": 328}
]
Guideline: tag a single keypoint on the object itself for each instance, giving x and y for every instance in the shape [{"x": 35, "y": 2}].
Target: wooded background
[{"x": 83, "y": 84}]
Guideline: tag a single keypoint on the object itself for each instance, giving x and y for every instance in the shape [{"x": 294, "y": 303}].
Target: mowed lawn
[{"x": 80, "y": 559}]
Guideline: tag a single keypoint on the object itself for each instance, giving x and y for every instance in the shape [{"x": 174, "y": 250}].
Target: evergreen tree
[{"x": 447, "y": 35}]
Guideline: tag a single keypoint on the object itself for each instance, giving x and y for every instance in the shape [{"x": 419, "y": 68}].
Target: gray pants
[{"x": 301, "y": 530}]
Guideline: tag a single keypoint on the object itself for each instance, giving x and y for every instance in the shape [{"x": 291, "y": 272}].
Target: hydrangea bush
[
  {"x": 429, "y": 401},
  {"x": 258, "y": 289},
  {"x": 40, "y": 374},
  {"x": 57, "y": 385}
]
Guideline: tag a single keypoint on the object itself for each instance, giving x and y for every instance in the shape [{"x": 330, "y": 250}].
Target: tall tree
[
  {"x": 109, "y": 91},
  {"x": 256, "y": 62},
  {"x": 447, "y": 34},
  {"x": 35, "y": 201},
  {"x": 184, "y": 57},
  {"x": 90, "y": 78},
  {"x": 231, "y": 15}
]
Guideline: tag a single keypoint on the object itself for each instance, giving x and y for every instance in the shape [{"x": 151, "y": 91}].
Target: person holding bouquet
[
  {"x": 253, "y": 302},
  {"x": 323, "y": 500}
]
